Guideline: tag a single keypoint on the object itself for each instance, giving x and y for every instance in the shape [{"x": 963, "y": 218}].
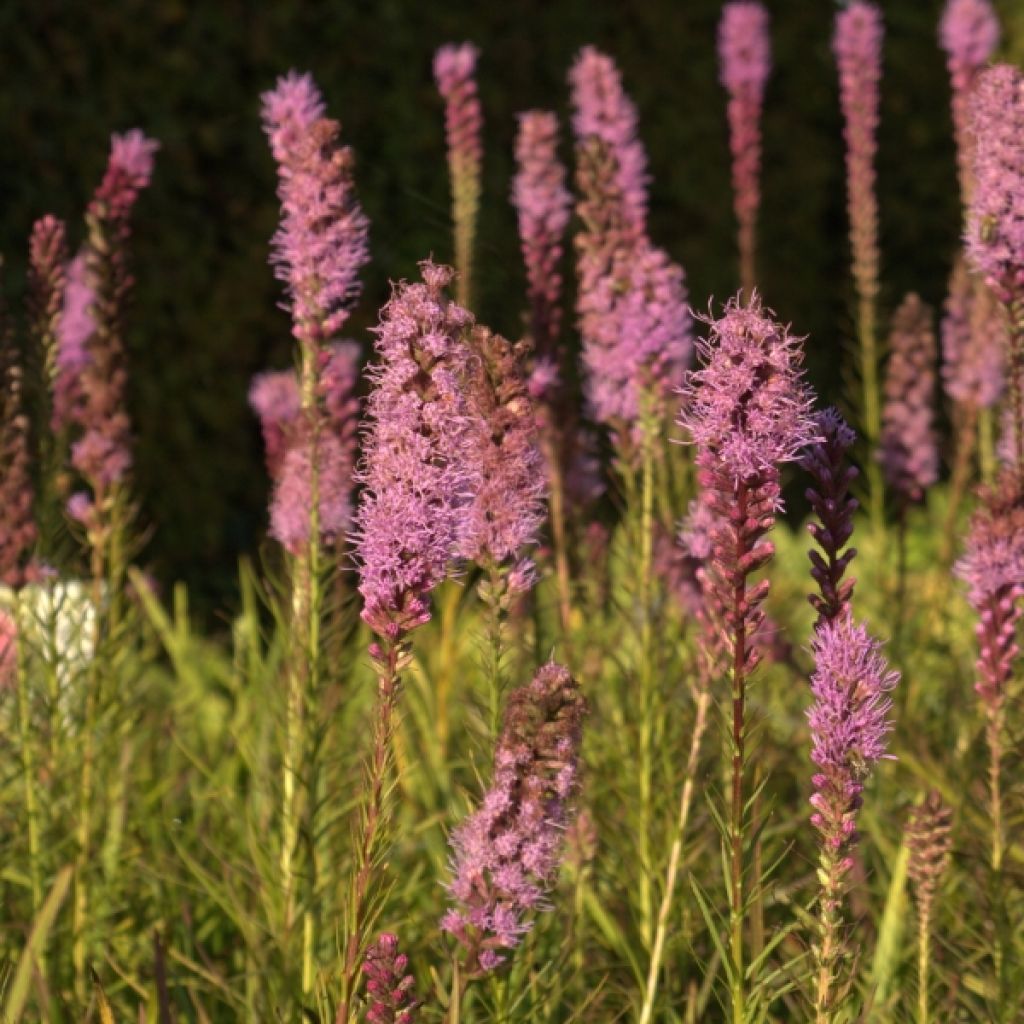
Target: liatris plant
[
  {"x": 858, "y": 49},
  {"x": 849, "y": 722},
  {"x": 995, "y": 221},
  {"x": 506, "y": 854},
  {"x": 928, "y": 840},
  {"x": 909, "y": 452},
  {"x": 744, "y": 56},
  {"x": 833, "y": 505},
  {"x": 454, "y": 73},
  {"x": 392, "y": 999},
  {"x": 274, "y": 397},
  {"x": 992, "y": 566},
  {"x": 748, "y": 411},
  {"x": 969, "y": 33},
  {"x": 418, "y": 480}
]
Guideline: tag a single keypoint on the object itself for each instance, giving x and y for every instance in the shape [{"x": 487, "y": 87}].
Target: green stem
[
  {"x": 871, "y": 410},
  {"x": 923, "y": 959},
  {"x": 647, "y": 690},
  {"x": 28, "y": 768},
  {"x": 829, "y": 938}
]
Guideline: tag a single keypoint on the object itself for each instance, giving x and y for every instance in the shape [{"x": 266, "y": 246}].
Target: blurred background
[{"x": 205, "y": 314}]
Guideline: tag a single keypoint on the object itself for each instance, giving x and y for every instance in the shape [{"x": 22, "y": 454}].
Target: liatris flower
[
  {"x": 973, "y": 343},
  {"x": 454, "y": 71},
  {"x": 47, "y": 278},
  {"x": 417, "y": 477},
  {"x": 748, "y": 411},
  {"x": 508, "y": 507},
  {"x": 320, "y": 246},
  {"x": 744, "y": 53},
  {"x": 969, "y": 33},
  {"x": 17, "y": 523},
  {"x": 849, "y": 723},
  {"x": 274, "y": 397},
  {"x": 833, "y": 505},
  {"x": 602, "y": 110},
  {"x": 390, "y": 989},
  {"x": 542, "y": 203},
  {"x": 506, "y": 854},
  {"x": 909, "y": 451},
  {"x": 90, "y": 345}
]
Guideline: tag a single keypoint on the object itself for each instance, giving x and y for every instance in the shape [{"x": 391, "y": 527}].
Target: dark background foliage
[{"x": 205, "y": 315}]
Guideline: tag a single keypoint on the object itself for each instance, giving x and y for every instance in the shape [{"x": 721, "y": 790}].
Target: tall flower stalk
[
  {"x": 455, "y": 75},
  {"x": 849, "y": 722},
  {"x": 995, "y": 220},
  {"x": 418, "y": 479},
  {"x": 744, "y": 56},
  {"x": 928, "y": 839},
  {"x": 747, "y": 410},
  {"x": 317, "y": 252},
  {"x": 857, "y": 44}
]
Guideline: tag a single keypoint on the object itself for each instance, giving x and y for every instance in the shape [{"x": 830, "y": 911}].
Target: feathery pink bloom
[
  {"x": 744, "y": 53},
  {"x": 542, "y": 203},
  {"x": 974, "y": 342},
  {"x": 969, "y": 33},
  {"x": 507, "y": 509},
  {"x": 826, "y": 462},
  {"x": 416, "y": 472},
  {"x": 603, "y": 110},
  {"x": 858, "y": 49},
  {"x": 506, "y": 854},
  {"x": 390, "y": 989},
  {"x": 992, "y": 566},
  {"x": 274, "y": 397},
  {"x": 909, "y": 445},
  {"x": 747, "y": 407},
  {"x": 995, "y": 221},
  {"x": 75, "y": 327},
  {"x": 321, "y": 243},
  {"x": 849, "y": 722}
]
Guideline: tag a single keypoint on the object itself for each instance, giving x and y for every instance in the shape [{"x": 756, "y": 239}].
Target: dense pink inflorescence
[
  {"x": 418, "y": 479},
  {"x": 969, "y": 33},
  {"x": 542, "y": 203},
  {"x": 321, "y": 243},
  {"x": 849, "y": 723},
  {"x": 507, "y": 509},
  {"x": 995, "y": 221},
  {"x": 857, "y": 44},
  {"x": 506, "y": 854},
  {"x": 826, "y": 462},
  {"x": 747, "y": 407},
  {"x": 909, "y": 451},
  {"x": 389, "y": 988},
  {"x": 75, "y": 328},
  {"x": 974, "y": 342},
  {"x": 744, "y": 53},
  {"x": 992, "y": 566},
  {"x": 603, "y": 110},
  {"x": 454, "y": 73}
]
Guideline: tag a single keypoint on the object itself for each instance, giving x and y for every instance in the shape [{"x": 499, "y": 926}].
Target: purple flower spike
[
  {"x": 417, "y": 474},
  {"x": 849, "y": 723},
  {"x": 744, "y": 54},
  {"x": 748, "y": 407},
  {"x": 974, "y": 342},
  {"x": 995, "y": 221},
  {"x": 909, "y": 451},
  {"x": 542, "y": 203},
  {"x": 321, "y": 243},
  {"x": 603, "y": 110},
  {"x": 506, "y": 854},
  {"x": 392, "y": 999},
  {"x": 75, "y": 327}
]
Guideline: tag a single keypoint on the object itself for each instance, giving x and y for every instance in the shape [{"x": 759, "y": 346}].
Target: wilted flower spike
[
  {"x": 929, "y": 841},
  {"x": 389, "y": 988},
  {"x": 604, "y": 111},
  {"x": 747, "y": 405},
  {"x": 17, "y": 524},
  {"x": 909, "y": 451},
  {"x": 47, "y": 277},
  {"x": 995, "y": 222},
  {"x": 321, "y": 243},
  {"x": 744, "y": 53},
  {"x": 542, "y": 203},
  {"x": 506, "y": 854},
  {"x": 417, "y": 476}
]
